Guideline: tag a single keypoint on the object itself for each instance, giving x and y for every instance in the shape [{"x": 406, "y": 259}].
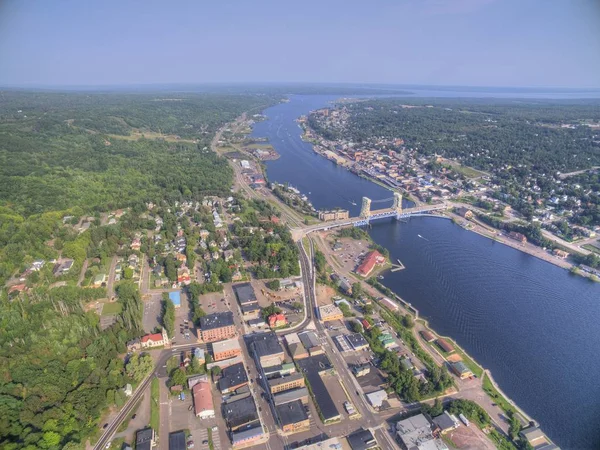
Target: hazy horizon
[{"x": 445, "y": 43}]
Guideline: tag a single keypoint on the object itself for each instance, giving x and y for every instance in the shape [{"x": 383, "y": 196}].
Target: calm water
[{"x": 531, "y": 323}]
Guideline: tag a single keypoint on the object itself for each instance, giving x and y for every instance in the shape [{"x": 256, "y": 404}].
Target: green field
[
  {"x": 111, "y": 309},
  {"x": 155, "y": 405},
  {"x": 591, "y": 248}
]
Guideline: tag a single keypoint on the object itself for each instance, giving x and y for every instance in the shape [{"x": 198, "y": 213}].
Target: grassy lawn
[
  {"x": 111, "y": 309},
  {"x": 468, "y": 172},
  {"x": 211, "y": 446},
  {"x": 497, "y": 397},
  {"x": 155, "y": 405},
  {"x": 591, "y": 248}
]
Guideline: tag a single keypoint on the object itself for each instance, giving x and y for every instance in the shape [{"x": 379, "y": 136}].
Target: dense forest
[{"x": 59, "y": 371}]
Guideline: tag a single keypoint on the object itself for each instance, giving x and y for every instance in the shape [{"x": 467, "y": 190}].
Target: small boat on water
[
  {"x": 353, "y": 203},
  {"x": 380, "y": 277}
]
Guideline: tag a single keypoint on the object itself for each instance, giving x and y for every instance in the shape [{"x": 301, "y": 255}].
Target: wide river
[{"x": 535, "y": 326}]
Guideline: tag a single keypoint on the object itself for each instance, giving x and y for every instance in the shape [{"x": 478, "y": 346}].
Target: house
[
  {"x": 415, "y": 433},
  {"x": 203, "y": 403},
  {"x": 136, "y": 244},
  {"x": 362, "y": 440},
  {"x": 277, "y": 320},
  {"x": 360, "y": 370},
  {"x": 377, "y": 398},
  {"x": 217, "y": 326},
  {"x": 226, "y": 349},
  {"x": 37, "y": 265},
  {"x": 461, "y": 370},
  {"x": 464, "y": 212},
  {"x": 18, "y": 288},
  {"x": 63, "y": 267},
  {"x": 228, "y": 255},
  {"x": 560, "y": 253},
  {"x": 128, "y": 390},
  {"x": 330, "y": 312},
  {"x": 292, "y": 416},
  {"x": 100, "y": 280},
  {"x": 517, "y": 237},
  {"x": 369, "y": 262},
  {"x": 446, "y": 422},
  {"x": 145, "y": 439},
  {"x": 365, "y": 323},
  {"x": 134, "y": 345}
]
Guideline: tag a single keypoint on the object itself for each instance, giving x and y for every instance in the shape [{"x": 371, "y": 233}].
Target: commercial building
[
  {"x": 313, "y": 368},
  {"x": 338, "y": 214},
  {"x": 226, "y": 349},
  {"x": 177, "y": 441},
  {"x": 217, "y": 326},
  {"x": 232, "y": 378},
  {"x": 203, "y": 403},
  {"x": 362, "y": 440},
  {"x": 369, "y": 262},
  {"x": 145, "y": 439},
  {"x": 292, "y": 416},
  {"x": 245, "y": 294},
  {"x": 461, "y": 370},
  {"x": 518, "y": 237},
  {"x": 446, "y": 422},
  {"x": 251, "y": 312},
  {"x": 464, "y": 212},
  {"x": 377, "y": 398},
  {"x": 445, "y": 345},
  {"x": 292, "y": 381},
  {"x": 246, "y": 438},
  {"x": 427, "y": 336},
  {"x": 357, "y": 341},
  {"x": 415, "y": 433},
  {"x": 298, "y": 351},
  {"x": 361, "y": 370},
  {"x": 279, "y": 370},
  {"x": 240, "y": 413},
  {"x": 266, "y": 349},
  {"x": 534, "y": 436},
  {"x": 175, "y": 297},
  {"x": 292, "y": 395},
  {"x": 330, "y": 312}
]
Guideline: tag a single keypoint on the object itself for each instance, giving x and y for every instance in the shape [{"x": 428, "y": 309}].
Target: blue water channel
[{"x": 535, "y": 326}]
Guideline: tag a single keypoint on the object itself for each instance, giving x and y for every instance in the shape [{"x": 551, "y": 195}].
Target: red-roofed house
[
  {"x": 277, "y": 320},
  {"x": 366, "y": 325},
  {"x": 155, "y": 340},
  {"x": 369, "y": 262},
  {"x": 17, "y": 288}
]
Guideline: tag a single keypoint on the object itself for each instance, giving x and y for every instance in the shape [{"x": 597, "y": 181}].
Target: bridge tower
[
  {"x": 397, "y": 206},
  {"x": 365, "y": 210}
]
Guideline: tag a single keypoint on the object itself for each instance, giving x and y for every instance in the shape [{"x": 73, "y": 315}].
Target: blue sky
[{"x": 445, "y": 42}]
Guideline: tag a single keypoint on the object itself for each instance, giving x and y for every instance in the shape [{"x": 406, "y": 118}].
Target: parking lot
[
  {"x": 152, "y": 312},
  {"x": 181, "y": 417},
  {"x": 350, "y": 253}
]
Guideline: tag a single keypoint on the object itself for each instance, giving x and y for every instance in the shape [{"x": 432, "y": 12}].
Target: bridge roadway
[{"x": 298, "y": 233}]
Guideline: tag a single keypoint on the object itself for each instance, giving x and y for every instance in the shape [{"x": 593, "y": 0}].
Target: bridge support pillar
[
  {"x": 397, "y": 206},
  {"x": 365, "y": 210}
]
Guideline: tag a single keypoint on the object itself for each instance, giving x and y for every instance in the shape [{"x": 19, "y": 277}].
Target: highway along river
[{"x": 535, "y": 326}]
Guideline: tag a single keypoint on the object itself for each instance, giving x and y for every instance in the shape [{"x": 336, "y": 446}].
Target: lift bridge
[{"x": 367, "y": 214}]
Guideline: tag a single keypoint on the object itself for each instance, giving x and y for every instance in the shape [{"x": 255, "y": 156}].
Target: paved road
[{"x": 111, "y": 278}]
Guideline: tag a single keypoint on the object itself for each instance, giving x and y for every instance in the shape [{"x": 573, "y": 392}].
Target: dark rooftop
[
  {"x": 233, "y": 376},
  {"x": 264, "y": 344},
  {"x": 143, "y": 439},
  {"x": 177, "y": 441},
  {"x": 356, "y": 340},
  {"x": 245, "y": 293},
  {"x": 362, "y": 440},
  {"x": 311, "y": 367},
  {"x": 292, "y": 412},
  {"x": 216, "y": 320},
  {"x": 240, "y": 412},
  {"x": 444, "y": 421},
  {"x": 250, "y": 307}
]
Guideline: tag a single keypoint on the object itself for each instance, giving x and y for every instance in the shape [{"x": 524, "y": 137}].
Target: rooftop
[
  {"x": 312, "y": 367},
  {"x": 287, "y": 379},
  {"x": 226, "y": 345},
  {"x": 202, "y": 397},
  {"x": 241, "y": 436},
  {"x": 240, "y": 412},
  {"x": 446, "y": 421},
  {"x": 376, "y": 398},
  {"x": 265, "y": 344},
  {"x": 415, "y": 432},
  {"x": 362, "y": 440},
  {"x": 290, "y": 396},
  {"x": 175, "y": 298},
  {"x": 329, "y": 311},
  {"x": 233, "y": 376},
  {"x": 216, "y": 320},
  {"x": 357, "y": 340},
  {"x": 245, "y": 293},
  {"x": 309, "y": 339},
  {"x": 292, "y": 412},
  {"x": 177, "y": 441}
]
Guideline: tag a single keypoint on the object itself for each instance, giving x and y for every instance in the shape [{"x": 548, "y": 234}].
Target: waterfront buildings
[
  {"x": 369, "y": 262},
  {"x": 415, "y": 433},
  {"x": 461, "y": 370},
  {"x": 338, "y": 214}
]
